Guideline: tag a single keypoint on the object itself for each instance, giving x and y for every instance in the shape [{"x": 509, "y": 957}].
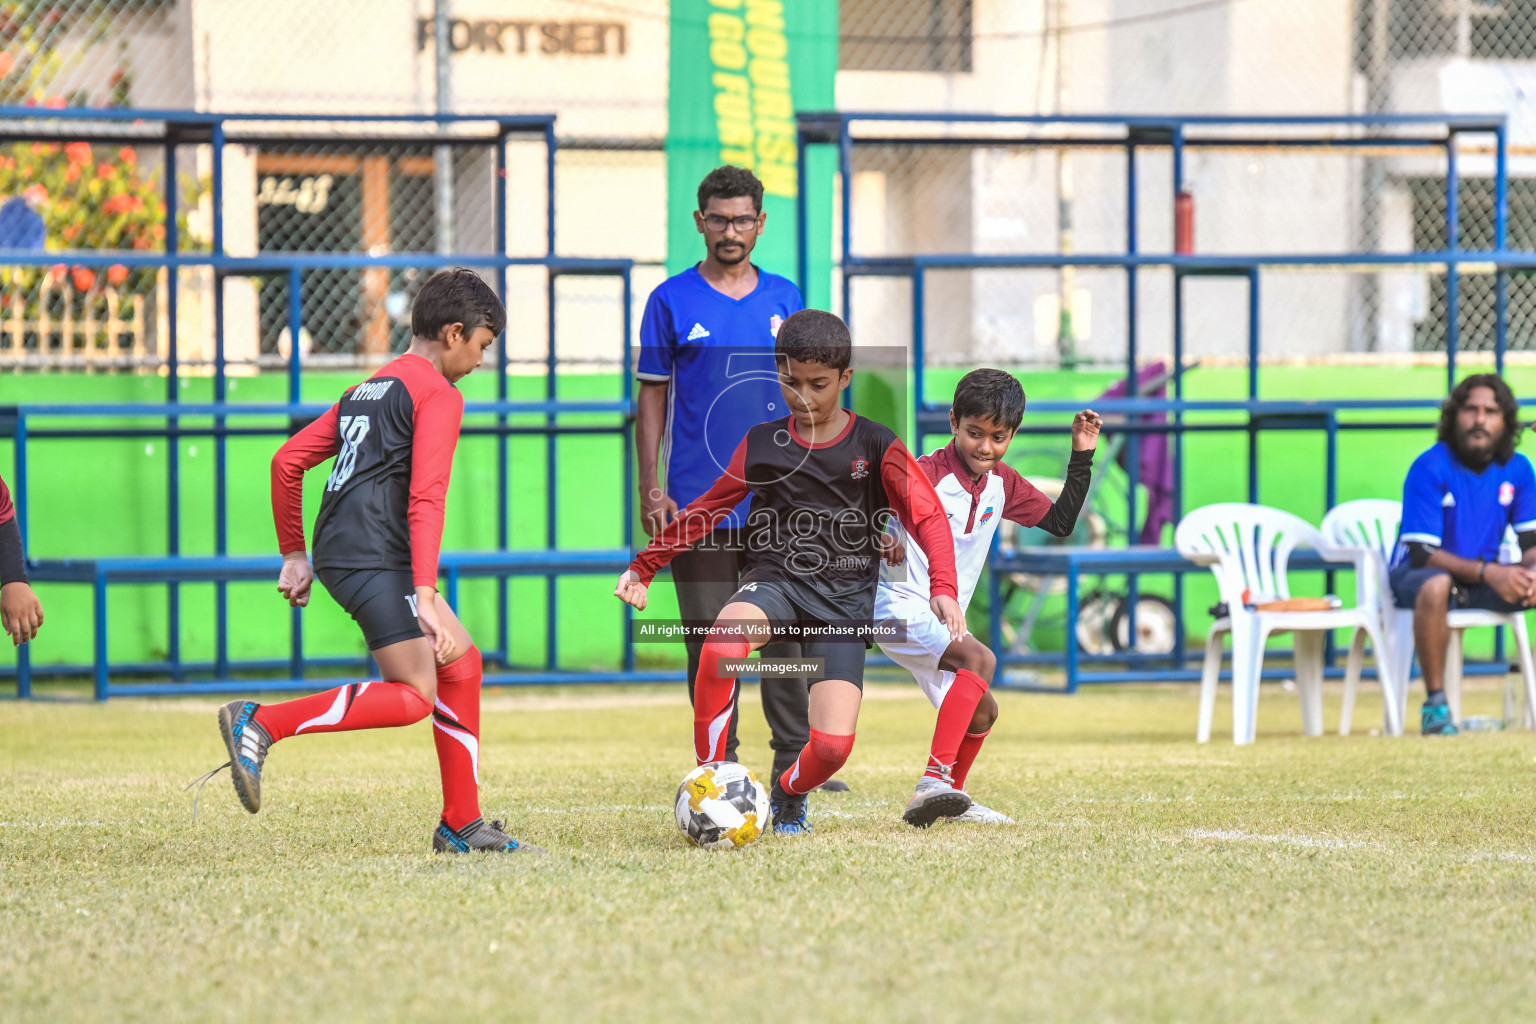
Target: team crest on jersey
[
  {"x": 860, "y": 468},
  {"x": 1506, "y": 493},
  {"x": 986, "y": 515},
  {"x": 773, "y": 324}
]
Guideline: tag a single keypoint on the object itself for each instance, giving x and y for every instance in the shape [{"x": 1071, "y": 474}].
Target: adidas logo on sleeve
[{"x": 697, "y": 332}]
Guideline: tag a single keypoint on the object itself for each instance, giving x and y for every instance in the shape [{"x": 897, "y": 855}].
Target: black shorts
[
  {"x": 381, "y": 601},
  {"x": 792, "y": 603},
  {"x": 1407, "y": 582}
]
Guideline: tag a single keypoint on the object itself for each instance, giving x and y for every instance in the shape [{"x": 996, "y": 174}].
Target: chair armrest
[{"x": 1368, "y": 570}]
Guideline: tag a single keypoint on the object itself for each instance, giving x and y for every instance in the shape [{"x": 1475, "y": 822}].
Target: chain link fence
[{"x": 601, "y": 65}]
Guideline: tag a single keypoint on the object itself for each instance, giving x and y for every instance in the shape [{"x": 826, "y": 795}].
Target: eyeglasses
[{"x": 742, "y": 224}]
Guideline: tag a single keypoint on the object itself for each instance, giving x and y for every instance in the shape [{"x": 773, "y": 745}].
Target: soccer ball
[{"x": 721, "y": 806}]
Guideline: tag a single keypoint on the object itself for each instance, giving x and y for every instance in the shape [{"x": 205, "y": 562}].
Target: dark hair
[
  {"x": 731, "y": 182},
  {"x": 456, "y": 296},
  {"x": 815, "y": 336},
  {"x": 991, "y": 393},
  {"x": 1451, "y": 408}
]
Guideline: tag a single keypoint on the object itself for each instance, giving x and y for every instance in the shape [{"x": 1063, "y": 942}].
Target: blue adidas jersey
[
  {"x": 717, "y": 352},
  {"x": 1465, "y": 513}
]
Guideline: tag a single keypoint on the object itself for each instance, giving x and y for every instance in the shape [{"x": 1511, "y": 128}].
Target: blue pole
[
  {"x": 99, "y": 607},
  {"x": 19, "y": 491},
  {"x": 995, "y": 611},
  {"x": 629, "y": 456},
  {"x": 551, "y": 462},
  {"x": 1331, "y": 480},
  {"x": 1253, "y": 382},
  {"x": 296, "y": 644},
  {"x": 1070, "y": 642},
  {"x": 220, "y": 486},
  {"x": 1452, "y": 270},
  {"x": 218, "y": 187},
  {"x": 220, "y": 395},
  {"x": 1133, "y": 440},
  {"x": 173, "y": 442},
  {"x": 919, "y": 391},
  {"x": 503, "y": 361},
  {"x": 23, "y": 672},
  {"x": 1500, "y": 240},
  {"x": 845, "y": 172},
  {"x": 19, "y": 501},
  {"x": 295, "y": 389},
  {"x": 1179, "y": 654},
  {"x": 1501, "y": 186},
  {"x": 549, "y": 189},
  {"x": 295, "y": 325}
]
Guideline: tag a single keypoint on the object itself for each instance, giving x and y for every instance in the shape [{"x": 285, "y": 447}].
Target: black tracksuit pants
[{"x": 706, "y": 577}]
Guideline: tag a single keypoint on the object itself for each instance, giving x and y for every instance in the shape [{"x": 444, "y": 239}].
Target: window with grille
[
  {"x": 904, "y": 35},
  {"x": 1477, "y": 29},
  {"x": 1476, "y": 300}
]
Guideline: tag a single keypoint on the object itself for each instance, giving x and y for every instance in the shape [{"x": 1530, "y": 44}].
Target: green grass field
[{"x": 1148, "y": 878}]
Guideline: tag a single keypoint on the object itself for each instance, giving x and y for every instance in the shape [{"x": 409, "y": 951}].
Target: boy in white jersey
[{"x": 978, "y": 491}]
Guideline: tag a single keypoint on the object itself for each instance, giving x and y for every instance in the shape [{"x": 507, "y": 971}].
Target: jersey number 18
[{"x": 353, "y": 430}]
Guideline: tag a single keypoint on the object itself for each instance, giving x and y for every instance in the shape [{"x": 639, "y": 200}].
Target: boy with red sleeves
[
  {"x": 20, "y": 612},
  {"x": 823, "y": 483},
  {"x": 376, "y": 542}
]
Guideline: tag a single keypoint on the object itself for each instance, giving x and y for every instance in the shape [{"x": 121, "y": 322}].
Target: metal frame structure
[
  {"x": 173, "y": 129},
  {"x": 1132, "y": 135}
]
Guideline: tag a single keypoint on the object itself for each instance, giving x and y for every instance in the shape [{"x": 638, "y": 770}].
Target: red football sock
[
  {"x": 969, "y": 748},
  {"x": 372, "y": 705},
  {"x": 456, "y": 732},
  {"x": 714, "y": 697},
  {"x": 955, "y": 716},
  {"x": 819, "y": 760}
]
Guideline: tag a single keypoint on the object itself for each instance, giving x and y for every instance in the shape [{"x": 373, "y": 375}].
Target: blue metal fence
[
  {"x": 1131, "y": 135},
  {"x": 26, "y": 423}
]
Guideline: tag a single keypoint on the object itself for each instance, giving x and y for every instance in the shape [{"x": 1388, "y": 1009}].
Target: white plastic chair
[
  {"x": 1248, "y": 547},
  {"x": 1370, "y": 524},
  {"x": 1376, "y": 525}
]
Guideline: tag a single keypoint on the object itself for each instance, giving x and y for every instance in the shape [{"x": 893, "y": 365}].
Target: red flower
[
  {"x": 72, "y": 232},
  {"x": 54, "y": 102},
  {"x": 105, "y": 170},
  {"x": 7, "y": 63},
  {"x": 78, "y": 152},
  {"x": 57, "y": 271},
  {"x": 83, "y": 279},
  {"x": 128, "y": 156},
  {"x": 159, "y": 232},
  {"x": 119, "y": 203},
  {"x": 33, "y": 193},
  {"x": 117, "y": 274},
  {"x": 71, "y": 174}
]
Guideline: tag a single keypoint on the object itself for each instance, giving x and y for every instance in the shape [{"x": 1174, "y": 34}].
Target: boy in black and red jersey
[
  {"x": 823, "y": 483},
  {"x": 377, "y": 539}
]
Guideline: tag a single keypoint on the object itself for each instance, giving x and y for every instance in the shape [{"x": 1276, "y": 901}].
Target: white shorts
[{"x": 927, "y": 640}]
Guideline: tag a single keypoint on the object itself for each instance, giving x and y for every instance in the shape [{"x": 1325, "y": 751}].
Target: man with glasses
[{"x": 707, "y": 375}]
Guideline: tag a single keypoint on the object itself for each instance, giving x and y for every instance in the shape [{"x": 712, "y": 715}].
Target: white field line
[{"x": 1290, "y": 840}]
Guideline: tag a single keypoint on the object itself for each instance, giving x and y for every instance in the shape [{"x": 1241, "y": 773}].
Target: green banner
[{"x": 740, "y": 69}]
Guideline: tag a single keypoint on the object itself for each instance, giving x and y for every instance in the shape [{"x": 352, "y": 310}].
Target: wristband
[{"x": 1482, "y": 570}]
